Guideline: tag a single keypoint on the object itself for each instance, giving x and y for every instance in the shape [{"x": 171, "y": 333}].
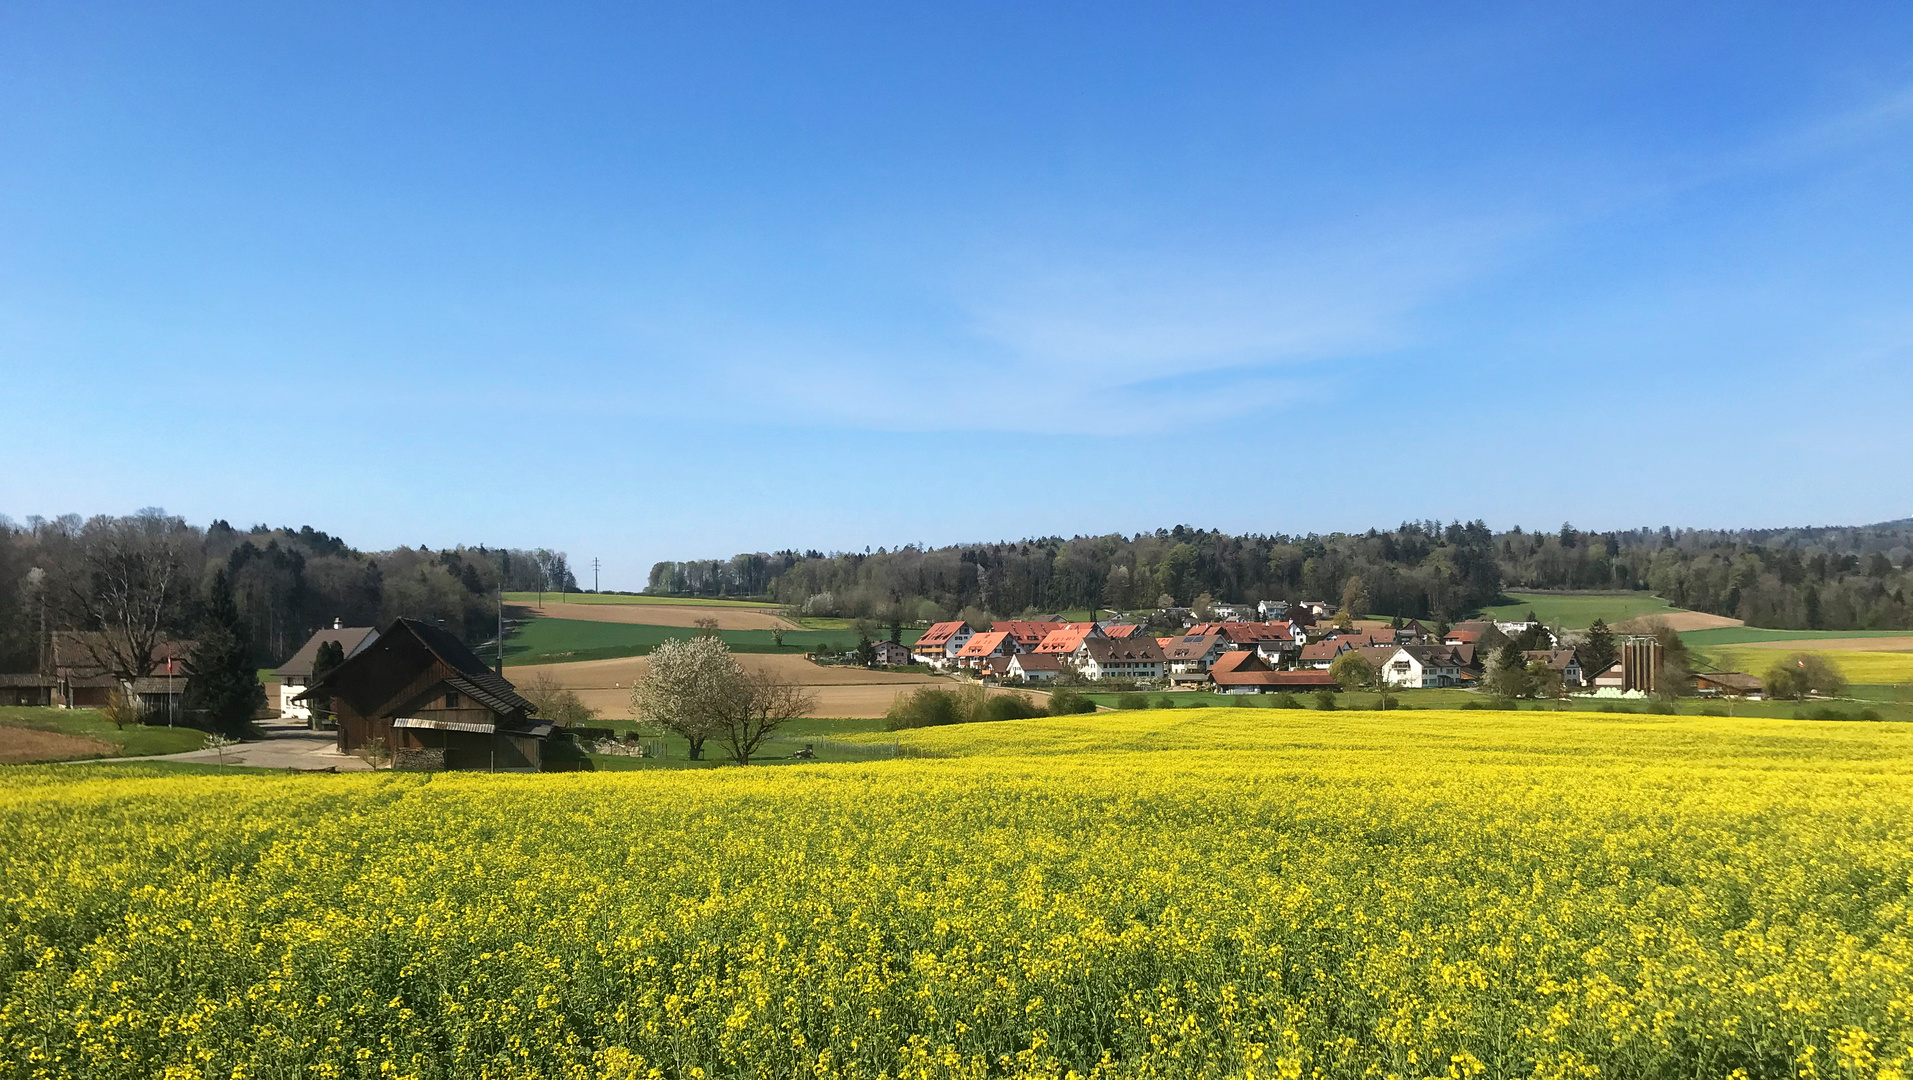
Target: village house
[
  {"x": 1120, "y": 629},
  {"x": 939, "y": 645},
  {"x": 1320, "y": 654},
  {"x": 981, "y": 647},
  {"x": 1192, "y": 653},
  {"x": 1119, "y": 658},
  {"x": 1562, "y": 661},
  {"x": 1421, "y": 667},
  {"x": 1271, "y": 610},
  {"x": 80, "y": 658},
  {"x": 1241, "y": 671},
  {"x": 1028, "y": 633},
  {"x": 417, "y": 694},
  {"x": 889, "y": 654},
  {"x": 1065, "y": 640},
  {"x": 296, "y": 673},
  {"x": 1034, "y": 667}
]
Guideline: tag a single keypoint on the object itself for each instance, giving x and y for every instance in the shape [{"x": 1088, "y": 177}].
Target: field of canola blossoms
[{"x": 1213, "y": 893}]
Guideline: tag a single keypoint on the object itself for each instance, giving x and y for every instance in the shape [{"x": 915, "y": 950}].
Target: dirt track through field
[
  {"x": 1682, "y": 621},
  {"x": 653, "y": 615},
  {"x": 846, "y": 692},
  {"x": 19, "y": 745}
]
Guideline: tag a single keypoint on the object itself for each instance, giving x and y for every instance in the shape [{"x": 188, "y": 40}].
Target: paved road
[{"x": 286, "y": 746}]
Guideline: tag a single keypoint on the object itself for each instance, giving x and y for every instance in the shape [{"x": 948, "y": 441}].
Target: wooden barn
[{"x": 419, "y": 693}]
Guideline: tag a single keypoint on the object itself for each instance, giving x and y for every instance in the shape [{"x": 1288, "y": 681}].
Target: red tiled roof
[
  {"x": 1066, "y": 640},
  {"x": 939, "y": 635},
  {"x": 1238, "y": 661},
  {"x": 1326, "y": 650},
  {"x": 1027, "y": 632},
  {"x": 983, "y": 644},
  {"x": 1189, "y": 646},
  {"x": 1121, "y": 630},
  {"x": 1038, "y": 662},
  {"x": 1143, "y": 650}
]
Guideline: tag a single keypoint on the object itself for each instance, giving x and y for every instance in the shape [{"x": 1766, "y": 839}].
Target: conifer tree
[
  {"x": 222, "y": 686},
  {"x": 1598, "y": 650}
]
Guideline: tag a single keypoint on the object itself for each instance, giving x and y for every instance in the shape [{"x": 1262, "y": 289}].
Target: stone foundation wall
[{"x": 426, "y": 759}]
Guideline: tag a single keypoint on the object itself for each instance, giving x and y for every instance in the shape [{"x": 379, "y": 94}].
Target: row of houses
[{"x": 1233, "y": 656}]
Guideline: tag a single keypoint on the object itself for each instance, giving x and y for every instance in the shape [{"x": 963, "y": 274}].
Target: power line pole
[{"x": 594, "y": 573}]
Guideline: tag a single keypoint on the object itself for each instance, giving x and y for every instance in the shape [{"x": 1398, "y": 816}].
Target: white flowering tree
[{"x": 696, "y": 689}]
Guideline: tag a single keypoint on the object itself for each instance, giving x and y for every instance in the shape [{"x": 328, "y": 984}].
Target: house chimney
[{"x": 338, "y": 623}]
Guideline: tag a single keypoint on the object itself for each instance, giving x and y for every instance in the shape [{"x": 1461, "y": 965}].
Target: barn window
[{"x": 451, "y": 699}]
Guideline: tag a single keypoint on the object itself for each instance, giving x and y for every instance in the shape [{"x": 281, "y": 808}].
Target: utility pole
[
  {"x": 594, "y": 573},
  {"x": 501, "y": 630}
]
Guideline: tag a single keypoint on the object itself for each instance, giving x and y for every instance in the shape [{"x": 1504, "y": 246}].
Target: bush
[
  {"x": 933, "y": 706},
  {"x": 1165, "y": 702},
  {"x": 1869, "y": 714},
  {"x": 1286, "y": 701},
  {"x": 1713, "y": 710},
  {"x": 1661, "y": 708},
  {"x": 1325, "y": 700},
  {"x": 1132, "y": 701},
  {"x": 1067, "y": 702},
  {"x": 929, "y": 706},
  {"x": 1008, "y": 707},
  {"x": 1802, "y": 674}
]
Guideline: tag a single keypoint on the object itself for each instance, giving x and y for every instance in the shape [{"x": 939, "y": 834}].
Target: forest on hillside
[
  {"x": 1836, "y": 578},
  {"x": 64, "y": 573}
]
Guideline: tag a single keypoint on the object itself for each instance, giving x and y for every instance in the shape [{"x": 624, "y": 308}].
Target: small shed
[
  {"x": 27, "y": 689},
  {"x": 419, "y": 693}
]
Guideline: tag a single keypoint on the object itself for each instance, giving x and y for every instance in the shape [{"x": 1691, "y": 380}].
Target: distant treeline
[
  {"x": 1831, "y": 578},
  {"x": 286, "y": 582}
]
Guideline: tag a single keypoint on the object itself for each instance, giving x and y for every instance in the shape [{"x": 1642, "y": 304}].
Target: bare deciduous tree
[
  {"x": 766, "y": 703},
  {"x": 131, "y": 588},
  {"x": 555, "y": 703}
]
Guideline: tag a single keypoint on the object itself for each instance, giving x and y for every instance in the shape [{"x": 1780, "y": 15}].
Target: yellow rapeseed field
[
  {"x": 1162, "y": 894},
  {"x": 1860, "y": 667}
]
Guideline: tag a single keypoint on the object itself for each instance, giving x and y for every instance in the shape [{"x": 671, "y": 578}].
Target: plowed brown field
[
  {"x": 653, "y": 615},
  {"x": 19, "y": 745},
  {"x": 1682, "y": 621},
  {"x": 847, "y": 692}
]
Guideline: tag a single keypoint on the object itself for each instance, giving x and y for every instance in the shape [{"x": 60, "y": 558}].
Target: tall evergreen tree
[
  {"x": 222, "y": 686},
  {"x": 331, "y": 654},
  {"x": 1598, "y": 651}
]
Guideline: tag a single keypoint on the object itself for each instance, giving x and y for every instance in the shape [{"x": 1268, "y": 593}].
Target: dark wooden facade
[{"x": 419, "y": 695}]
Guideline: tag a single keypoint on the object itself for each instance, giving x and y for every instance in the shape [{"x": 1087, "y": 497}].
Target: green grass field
[
  {"x": 620, "y": 598},
  {"x": 549, "y": 641},
  {"x": 1577, "y": 611},
  {"x": 824, "y": 736},
  {"x": 86, "y": 723}
]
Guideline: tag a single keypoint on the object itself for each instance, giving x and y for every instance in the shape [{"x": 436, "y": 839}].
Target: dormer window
[{"x": 451, "y": 699}]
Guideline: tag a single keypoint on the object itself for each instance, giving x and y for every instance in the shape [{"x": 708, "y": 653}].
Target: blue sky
[{"x": 673, "y": 282}]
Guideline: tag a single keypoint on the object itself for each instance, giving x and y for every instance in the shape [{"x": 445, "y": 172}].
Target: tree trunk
[{"x": 697, "y": 749}]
